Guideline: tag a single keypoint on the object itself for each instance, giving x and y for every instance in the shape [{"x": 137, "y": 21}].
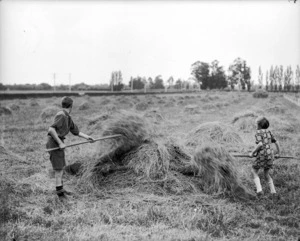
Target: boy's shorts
[{"x": 57, "y": 157}]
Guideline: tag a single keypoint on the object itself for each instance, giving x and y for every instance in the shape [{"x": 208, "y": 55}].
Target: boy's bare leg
[
  {"x": 58, "y": 183},
  {"x": 58, "y": 177},
  {"x": 269, "y": 180},
  {"x": 256, "y": 180}
]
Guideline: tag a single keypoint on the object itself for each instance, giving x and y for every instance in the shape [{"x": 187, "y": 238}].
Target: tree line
[
  {"x": 279, "y": 78},
  {"x": 203, "y": 75}
]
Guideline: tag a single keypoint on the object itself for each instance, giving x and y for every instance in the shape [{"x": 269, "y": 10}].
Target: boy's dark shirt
[{"x": 63, "y": 123}]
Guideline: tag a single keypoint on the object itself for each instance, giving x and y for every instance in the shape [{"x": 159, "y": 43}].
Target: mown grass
[{"x": 118, "y": 211}]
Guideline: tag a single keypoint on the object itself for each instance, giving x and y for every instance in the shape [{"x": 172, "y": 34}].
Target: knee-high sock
[
  {"x": 271, "y": 185},
  {"x": 257, "y": 184}
]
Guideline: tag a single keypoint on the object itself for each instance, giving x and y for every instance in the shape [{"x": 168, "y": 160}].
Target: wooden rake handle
[
  {"x": 83, "y": 142},
  {"x": 286, "y": 157}
]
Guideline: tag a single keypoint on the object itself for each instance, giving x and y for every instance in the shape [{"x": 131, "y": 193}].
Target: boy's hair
[
  {"x": 66, "y": 102},
  {"x": 263, "y": 123}
]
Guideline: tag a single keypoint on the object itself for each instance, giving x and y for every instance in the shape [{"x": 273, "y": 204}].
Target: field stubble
[{"x": 118, "y": 211}]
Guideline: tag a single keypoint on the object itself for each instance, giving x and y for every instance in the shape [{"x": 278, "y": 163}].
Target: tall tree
[
  {"x": 217, "y": 77},
  {"x": 116, "y": 80},
  {"x": 280, "y": 77},
  {"x": 136, "y": 83},
  {"x": 288, "y": 75},
  {"x": 178, "y": 84},
  {"x": 267, "y": 80},
  {"x": 158, "y": 83},
  {"x": 170, "y": 81},
  {"x": 271, "y": 77},
  {"x": 200, "y": 70},
  {"x": 297, "y": 78},
  {"x": 260, "y": 77},
  {"x": 240, "y": 73}
]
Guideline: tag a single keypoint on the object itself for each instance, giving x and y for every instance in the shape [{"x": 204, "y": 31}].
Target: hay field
[{"x": 157, "y": 188}]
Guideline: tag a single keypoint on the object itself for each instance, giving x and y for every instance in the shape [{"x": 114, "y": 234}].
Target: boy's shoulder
[{"x": 61, "y": 113}]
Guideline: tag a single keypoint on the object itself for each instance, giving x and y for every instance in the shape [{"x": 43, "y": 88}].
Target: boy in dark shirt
[
  {"x": 62, "y": 125},
  {"x": 264, "y": 154}
]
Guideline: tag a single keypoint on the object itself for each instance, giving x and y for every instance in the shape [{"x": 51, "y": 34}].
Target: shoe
[
  {"x": 66, "y": 192},
  {"x": 259, "y": 194},
  {"x": 63, "y": 191}
]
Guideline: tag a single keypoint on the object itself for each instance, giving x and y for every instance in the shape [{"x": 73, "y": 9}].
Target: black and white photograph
[{"x": 148, "y": 120}]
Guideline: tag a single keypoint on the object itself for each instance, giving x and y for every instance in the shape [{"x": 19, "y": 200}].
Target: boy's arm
[
  {"x": 256, "y": 149},
  {"x": 89, "y": 138},
  {"x": 53, "y": 133}
]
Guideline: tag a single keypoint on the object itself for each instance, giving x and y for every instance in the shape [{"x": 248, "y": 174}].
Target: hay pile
[
  {"x": 142, "y": 106},
  {"x": 142, "y": 160},
  {"x": 48, "y": 113},
  {"x": 33, "y": 102},
  {"x": 88, "y": 98},
  {"x": 215, "y": 133},
  {"x": 192, "y": 109},
  {"x": 14, "y": 107},
  {"x": 276, "y": 109},
  {"x": 218, "y": 172},
  {"x": 20, "y": 102},
  {"x": 95, "y": 124},
  {"x": 105, "y": 101},
  {"x": 84, "y": 105},
  {"x": 260, "y": 94},
  {"x": 245, "y": 120},
  {"x": 169, "y": 104},
  {"x": 5, "y": 111},
  {"x": 154, "y": 115}
]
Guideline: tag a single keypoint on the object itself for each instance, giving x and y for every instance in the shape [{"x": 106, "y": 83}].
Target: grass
[{"x": 129, "y": 206}]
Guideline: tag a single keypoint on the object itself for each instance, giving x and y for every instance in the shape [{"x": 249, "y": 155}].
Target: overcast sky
[{"x": 90, "y": 39}]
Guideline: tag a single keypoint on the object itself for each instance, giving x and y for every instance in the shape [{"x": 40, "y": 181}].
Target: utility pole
[{"x": 69, "y": 82}]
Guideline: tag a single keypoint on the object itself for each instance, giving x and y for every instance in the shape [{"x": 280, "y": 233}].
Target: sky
[{"x": 84, "y": 41}]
